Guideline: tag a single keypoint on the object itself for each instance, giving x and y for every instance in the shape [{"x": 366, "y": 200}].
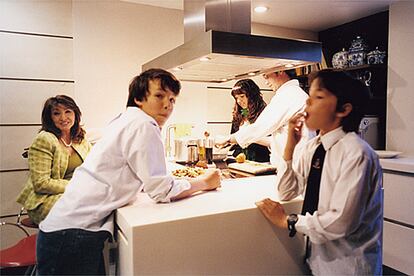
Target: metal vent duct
[{"x": 219, "y": 47}]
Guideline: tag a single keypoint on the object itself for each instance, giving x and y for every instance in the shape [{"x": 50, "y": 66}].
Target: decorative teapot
[
  {"x": 340, "y": 59},
  {"x": 357, "y": 52},
  {"x": 376, "y": 57}
]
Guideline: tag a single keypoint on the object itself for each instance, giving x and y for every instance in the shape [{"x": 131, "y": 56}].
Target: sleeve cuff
[{"x": 177, "y": 188}]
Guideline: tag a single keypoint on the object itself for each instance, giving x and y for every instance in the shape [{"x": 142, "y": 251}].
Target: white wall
[
  {"x": 400, "y": 96},
  {"x": 112, "y": 40}
]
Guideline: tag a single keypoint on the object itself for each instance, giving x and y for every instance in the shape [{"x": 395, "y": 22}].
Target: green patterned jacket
[{"x": 48, "y": 161}]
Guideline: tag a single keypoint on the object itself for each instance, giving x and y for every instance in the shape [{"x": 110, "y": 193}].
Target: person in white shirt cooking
[
  {"x": 288, "y": 100},
  {"x": 340, "y": 177},
  {"x": 129, "y": 158}
]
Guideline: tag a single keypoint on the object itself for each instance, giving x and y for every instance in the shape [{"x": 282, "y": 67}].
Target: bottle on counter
[{"x": 208, "y": 144}]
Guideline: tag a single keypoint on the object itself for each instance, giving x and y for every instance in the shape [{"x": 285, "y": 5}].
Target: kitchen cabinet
[
  {"x": 374, "y": 31},
  {"x": 219, "y": 232},
  {"x": 375, "y": 78},
  {"x": 398, "y": 236}
]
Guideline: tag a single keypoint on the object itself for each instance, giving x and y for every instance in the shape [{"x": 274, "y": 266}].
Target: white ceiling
[{"x": 310, "y": 15}]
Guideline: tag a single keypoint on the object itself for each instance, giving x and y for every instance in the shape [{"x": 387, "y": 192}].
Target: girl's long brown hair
[{"x": 256, "y": 104}]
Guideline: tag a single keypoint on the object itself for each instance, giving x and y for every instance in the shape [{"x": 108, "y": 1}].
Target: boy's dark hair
[
  {"x": 138, "y": 88},
  {"x": 291, "y": 73},
  {"x": 77, "y": 133},
  {"x": 347, "y": 90},
  {"x": 255, "y": 100}
]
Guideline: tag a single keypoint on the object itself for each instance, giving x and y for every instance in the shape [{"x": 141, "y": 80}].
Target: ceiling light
[
  {"x": 289, "y": 65},
  {"x": 251, "y": 74},
  {"x": 205, "y": 59},
  {"x": 178, "y": 68},
  {"x": 261, "y": 9}
]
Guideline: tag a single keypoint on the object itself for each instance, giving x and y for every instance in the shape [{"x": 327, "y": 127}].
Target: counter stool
[{"x": 22, "y": 254}]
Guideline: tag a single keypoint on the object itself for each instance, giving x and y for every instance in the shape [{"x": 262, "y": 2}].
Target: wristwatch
[{"x": 291, "y": 221}]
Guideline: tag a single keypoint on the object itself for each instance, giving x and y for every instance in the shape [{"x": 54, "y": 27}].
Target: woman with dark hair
[
  {"x": 248, "y": 105},
  {"x": 57, "y": 150}
]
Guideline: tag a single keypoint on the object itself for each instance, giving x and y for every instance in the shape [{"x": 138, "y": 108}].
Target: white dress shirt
[
  {"x": 346, "y": 230},
  {"x": 288, "y": 100},
  {"x": 129, "y": 158}
]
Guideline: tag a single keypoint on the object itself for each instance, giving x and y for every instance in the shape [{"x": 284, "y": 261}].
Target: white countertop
[
  {"x": 234, "y": 195},
  {"x": 214, "y": 233},
  {"x": 400, "y": 164}
]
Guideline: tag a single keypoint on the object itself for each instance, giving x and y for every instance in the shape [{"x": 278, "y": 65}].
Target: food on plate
[
  {"x": 188, "y": 172},
  {"x": 202, "y": 164},
  {"x": 241, "y": 158}
]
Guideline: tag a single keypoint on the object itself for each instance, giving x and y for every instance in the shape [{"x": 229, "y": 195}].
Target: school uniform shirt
[
  {"x": 346, "y": 230},
  {"x": 288, "y": 100},
  {"x": 129, "y": 158}
]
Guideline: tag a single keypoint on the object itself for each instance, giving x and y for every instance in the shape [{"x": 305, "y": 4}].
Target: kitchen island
[{"x": 219, "y": 232}]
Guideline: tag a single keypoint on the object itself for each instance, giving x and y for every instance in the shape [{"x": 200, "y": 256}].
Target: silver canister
[{"x": 192, "y": 151}]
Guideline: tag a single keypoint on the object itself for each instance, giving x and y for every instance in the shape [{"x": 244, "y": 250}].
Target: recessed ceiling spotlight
[
  {"x": 178, "y": 68},
  {"x": 205, "y": 59},
  {"x": 251, "y": 74},
  {"x": 261, "y": 9},
  {"x": 289, "y": 65}
]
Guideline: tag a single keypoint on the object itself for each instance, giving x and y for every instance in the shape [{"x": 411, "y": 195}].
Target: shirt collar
[
  {"x": 137, "y": 110},
  {"x": 294, "y": 82},
  {"x": 330, "y": 138}
]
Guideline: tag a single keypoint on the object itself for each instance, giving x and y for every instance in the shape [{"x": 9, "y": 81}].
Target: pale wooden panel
[
  {"x": 11, "y": 183},
  {"x": 27, "y": 56},
  {"x": 398, "y": 202},
  {"x": 21, "y": 102},
  {"x": 398, "y": 247},
  {"x": 44, "y": 17},
  {"x": 220, "y": 105},
  {"x": 10, "y": 235},
  {"x": 13, "y": 140}
]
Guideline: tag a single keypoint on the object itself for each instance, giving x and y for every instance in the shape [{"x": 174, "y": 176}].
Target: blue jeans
[{"x": 71, "y": 252}]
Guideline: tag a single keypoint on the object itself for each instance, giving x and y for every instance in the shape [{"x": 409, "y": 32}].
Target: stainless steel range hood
[{"x": 219, "y": 47}]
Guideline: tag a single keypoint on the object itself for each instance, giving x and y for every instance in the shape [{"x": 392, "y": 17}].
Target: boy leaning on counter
[
  {"x": 129, "y": 158},
  {"x": 340, "y": 177}
]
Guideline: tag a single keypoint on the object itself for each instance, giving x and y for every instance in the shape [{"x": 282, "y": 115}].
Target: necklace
[{"x": 67, "y": 145}]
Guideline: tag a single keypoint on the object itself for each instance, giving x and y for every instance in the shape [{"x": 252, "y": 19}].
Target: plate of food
[
  {"x": 387, "y": 153},
  {"x": 188, "y": 172}
]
